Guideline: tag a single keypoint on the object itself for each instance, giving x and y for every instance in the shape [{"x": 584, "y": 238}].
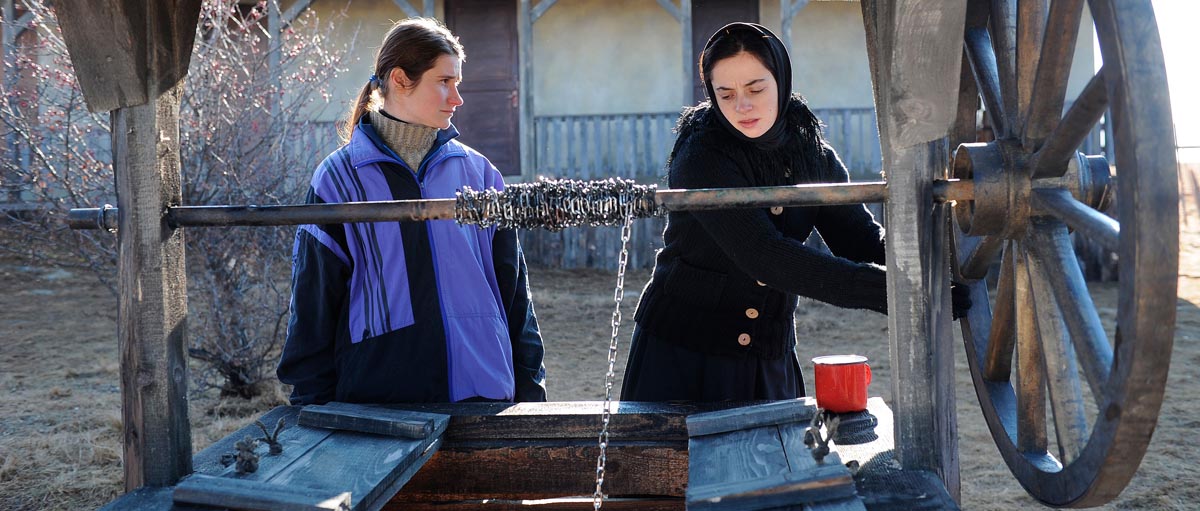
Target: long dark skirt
[{"x": 661, "y": 371}]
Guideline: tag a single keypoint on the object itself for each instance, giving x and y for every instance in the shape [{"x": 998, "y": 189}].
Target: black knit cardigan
[{"x": 727, "y": 281}]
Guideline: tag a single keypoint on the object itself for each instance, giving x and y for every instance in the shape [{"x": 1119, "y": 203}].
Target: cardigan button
[
  {"x": 759, "y": 282},
  {"x": 751, "y": 313},
  {"x": 777, "y": 210},
  {"x": 744, "y": 339}
]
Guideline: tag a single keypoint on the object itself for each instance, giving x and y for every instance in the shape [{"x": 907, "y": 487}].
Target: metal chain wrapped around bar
[
  {"x": 555, "y": 204},
  {"x": 606, "y": 415}
]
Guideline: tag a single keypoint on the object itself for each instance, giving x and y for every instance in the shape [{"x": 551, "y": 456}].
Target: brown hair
[{"x": 413, "y": 45}]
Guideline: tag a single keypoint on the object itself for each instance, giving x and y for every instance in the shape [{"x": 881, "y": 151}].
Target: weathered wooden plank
[
  {"x": 731, "y": 490},
  {"x": 363, "y": 464},
  {"x": 557, "y": 504},
  {"x": 373, "y": 419},
  {"x": 296, "y": 441},
  {"x": 152, "y": 285},
  {"x": 733, "y": 458},
  {"x": 915, "y": 52},
  {"x": 146, "y": 498},
  {"x": 846, "y": 504},
  {"x": 747, "y": 417},
  {"x": 389, "y": 491},
  {"x": 532, "y": 470},
  {"x": 126, "y": 52},
  {"x": 829, "y": 481},
  {"x": 631, "y": 420},
  {"x": 224, "y": 492}
]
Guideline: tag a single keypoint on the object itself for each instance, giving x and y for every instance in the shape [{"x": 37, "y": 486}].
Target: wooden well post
[
  {"x": 915, "y": 51},
  {"x": 130, "y": 57}
]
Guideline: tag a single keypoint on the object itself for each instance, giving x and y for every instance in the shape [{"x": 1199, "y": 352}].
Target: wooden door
[
  {"x": 707, "y": 17},
  {"x": 488, "y": 118}
]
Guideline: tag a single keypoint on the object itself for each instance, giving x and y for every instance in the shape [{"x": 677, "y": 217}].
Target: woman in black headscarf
[{"x": 715, "y": 321}]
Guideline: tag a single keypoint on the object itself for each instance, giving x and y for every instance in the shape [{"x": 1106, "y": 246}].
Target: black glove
[{"x": 960, "y": 299}]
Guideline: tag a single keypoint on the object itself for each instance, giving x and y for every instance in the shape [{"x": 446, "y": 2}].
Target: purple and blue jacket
[{"x": 394, "y": 312}]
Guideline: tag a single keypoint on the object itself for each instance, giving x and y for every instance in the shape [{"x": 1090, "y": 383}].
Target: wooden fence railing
[{"x": 636, "y": 146}]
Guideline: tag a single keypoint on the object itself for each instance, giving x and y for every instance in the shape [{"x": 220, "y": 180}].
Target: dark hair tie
[{"x": 373, "y": 80}]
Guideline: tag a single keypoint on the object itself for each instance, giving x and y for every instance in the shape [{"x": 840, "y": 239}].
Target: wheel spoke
[
  {"x": 965, "y": 129},
  {"x": 1052, "y": 248},
  {"x": 983, "y": 65},
  {"x": 1003, "y": 23},
  {"x": 1053, "y": 69},
  {"x": 1051, "y": 160},
  {"x": 1095, "y": 225},
  {"x": 1031, "y": 24},
  {"x": 1062, "y": 373},
  {"x": 979, "y": 256},
  {"x": 1031, "y": 374},
  {"x": 998, "y": 362}
]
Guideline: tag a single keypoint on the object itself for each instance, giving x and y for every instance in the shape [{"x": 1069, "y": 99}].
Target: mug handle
[{"x": 868, "y": 373}]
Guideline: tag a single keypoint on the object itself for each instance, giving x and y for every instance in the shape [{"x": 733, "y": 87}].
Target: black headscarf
[{"x": 777, "y": 62}]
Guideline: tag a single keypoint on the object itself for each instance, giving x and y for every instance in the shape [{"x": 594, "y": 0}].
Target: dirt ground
[{"x": 60, "y": 420}]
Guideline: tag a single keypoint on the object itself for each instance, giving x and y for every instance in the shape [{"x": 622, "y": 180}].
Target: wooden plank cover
[
  {"x": 761, "y": 467},
  {"x": 370, "y": 467},
  {"x": 373, "y": 419},
  {"x": 777, "y": 412},
  {"x": 223, "y": 492}
]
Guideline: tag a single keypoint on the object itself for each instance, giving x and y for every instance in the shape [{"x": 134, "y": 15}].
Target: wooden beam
[
  {"x": 788, "y": 9},
  {"x": 373, "y": 419},
  {"x": 669, "y": 6},
  {"x": 541, "y": 8},
  {"x": 152, "y": 313},
  {"x": 915, "y": 50},
  {"x": 226, "y": 492},
  {"x": 127, "y": 51},
  {"x": 525, "y": 132},
  {"x": 683, "y": 14}
]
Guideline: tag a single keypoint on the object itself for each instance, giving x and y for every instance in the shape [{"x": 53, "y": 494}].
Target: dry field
[{"x": 60, "y": 421}]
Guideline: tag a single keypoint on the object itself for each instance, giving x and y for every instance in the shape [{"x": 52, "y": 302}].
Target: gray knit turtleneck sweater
[{"x": 409, "y": 141}]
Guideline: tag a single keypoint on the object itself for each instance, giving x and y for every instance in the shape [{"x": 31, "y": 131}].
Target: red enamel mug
[{"x": 842, "y": 382}]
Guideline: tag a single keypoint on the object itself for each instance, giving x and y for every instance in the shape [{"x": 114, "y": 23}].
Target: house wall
[
  {"x": 622, "y": 56},
  {"x": 829, "y": 53},
  {"x": 606, "y": 57},
  {"x": 371, "y": 19}
]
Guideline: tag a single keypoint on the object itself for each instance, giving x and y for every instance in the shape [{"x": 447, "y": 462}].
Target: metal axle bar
[{"x": 443, "y": 209}]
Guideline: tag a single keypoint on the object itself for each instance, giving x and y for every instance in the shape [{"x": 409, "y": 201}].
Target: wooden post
[
  {"x": 915, "y": 50},
  {"x": 153, "y": 294},
  {"x": 130, "y": 57},
  {"x": 683, "y": 14},
  {"x": 527, "y": 15},
  {"x": 525, "y": 125}
]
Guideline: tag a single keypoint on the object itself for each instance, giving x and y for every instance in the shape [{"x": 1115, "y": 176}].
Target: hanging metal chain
[
  {"x": 606, "y": 415},
  {"x": 555, "y": 204}
]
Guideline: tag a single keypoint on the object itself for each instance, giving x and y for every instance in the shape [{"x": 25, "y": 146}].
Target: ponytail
[{"x": 357, "y": 110}]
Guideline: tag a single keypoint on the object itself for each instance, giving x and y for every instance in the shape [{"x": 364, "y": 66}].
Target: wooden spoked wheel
[{"x": 1038, "y": 350}]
